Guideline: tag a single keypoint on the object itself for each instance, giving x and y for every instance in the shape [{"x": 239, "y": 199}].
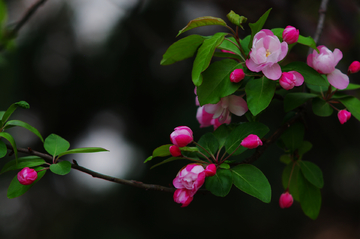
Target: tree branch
[{"x": 320, "y": 25}]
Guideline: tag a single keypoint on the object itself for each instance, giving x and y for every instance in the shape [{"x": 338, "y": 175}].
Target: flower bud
[
  {"x": 183, "y": 196},
  {"x": 343, "y": 116},
  {"x": 181, "y": 136},
  {"x": 27, "y": 176},
  {"x": 286, "y": 200},
  {"x": 237, "y": 75},
  {"x": 287, "y": 80},
  {"x": 290, "y": 35},
  {"x": 354, "y": 67},
  {"x": 210, "y": 170},
  {"x": 251, "y": 141},
  {"x": 175, "y": 151}
]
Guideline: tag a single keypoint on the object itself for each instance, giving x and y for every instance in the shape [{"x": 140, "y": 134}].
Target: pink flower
[
  {"x": 237, "y": 75},
  {"x": 286, "y": 200},
  {"x": 175, "y": 151},
  {"x": 204, "y": 117},
  {"x": 216, "y": 123},
  {"x": 343, "y": 116},
  {"x": 265, "y": 54},
  {"x": 325, "y": 63},
  {"x": 234, "y": 104},
  {"x": 191, "y": 178},
  {"x": 251, "y": 141},
  {"x": 181, "y": 136},
  {"x": 290, "y": 35},
  {"x": 210, "y": 170},
  {"x": 183, "y": 196},
  {"x": 27, "y": 176},
  {"x": 290, "y": 79},
  {"x": 354, "y": 67}
]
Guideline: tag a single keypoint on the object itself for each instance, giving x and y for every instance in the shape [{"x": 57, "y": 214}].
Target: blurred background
[{"x": 90, "y": 71}]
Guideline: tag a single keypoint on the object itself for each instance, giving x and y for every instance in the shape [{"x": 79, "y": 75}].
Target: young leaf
[
  {"x": 236, "y": 19},
  {"x": 162, "y": 151},
  {"x": 310, "y": 75},
  {"x": 353, "y": 105},
  {"x": 202, "y": 21},
  {"x": 285, "y": 158},
  {"x": 11, "y": 140},
  {"x": 252, "y": 181},
  {"x": 291, "y": 169},
  {"x": 259, "y": 93},
  {"x": 307, "y": 41},
  {"x": 229, "y": 45},
  {"x": 305, "y": 147},
  {"x": 204, "y": 55},
  {"x": 312, "y": 173},
  {"x": 217, "y": 84},
  {"x": 321, "y": 108},
  {"x": 294, "y": 100},
  {"x": 12, "y": 108},
  {"x": 12, "y": 123},
  {"x": 61, "y": 168},
  {"x": 3, "y": 149},
  {"x": 310, "y": 197},
  {"x": 257, "y": 26},
  {"x": 83, "y": 150},
  {"x": 209, "y": 142},
  {"x": 293, "y": 137},
  {"x": 55, "y": 145},
  {"x": 166, "y": 161},
  {"x": 182, "y": 49},
  {"x": 16, "y": 189},
  {"x": 221, "y": 133},
  {"x": 219, "y": 184},
  {"x": 28, "y": 161}
]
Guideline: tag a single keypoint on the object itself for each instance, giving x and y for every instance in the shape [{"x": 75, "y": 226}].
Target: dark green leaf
[
  {"x": 352, "y": 87},
  {"x": 310, "y": 75},
  {"x": 310, "y": 197},
  {"x": 230, "y": 44},
  {"x": 3, "y": 13},
  {"x": 224, "y": 166},
  {"x": 29, "y": 161},
  {"x": 294, "y": 100},
  {"x": 3, "y": 149},
  {"x": 257, "y": 26},
  {"x": 11, "y": 140},
  {"x": 182, "y": 49},
  {"x": 321, "y": 108},
  {"x": 166, "y": 161},
  {"x": 285, "y": 158},
  {"x": 221, "y": 133},
  {"x": 307, "y": 41},
  {"x": 210, "y": 143},
  {"x": 291, "y": 169},
  {"x": 236, "y": 19},
  {"x": 202, "y": 21},
  {"x": 305, "y": 147},
  {"x": 61, "y": 168},
  {"x": 245, "y": 44},
  {"x": 217, "y": 84},
  {"x": 252, "y": 181},
  {"x": 204, "y": 55},
  {"x": 83, "y": 150},
  {"x": 312, "y": 173},
  {"x": 293, "y": 137},
  {"x": 12, "y": 108},
  {"x": 189, "y": 149},
  {"x": 162, "y": 151},
  {"x": 12, "y": 123},
  {"x": 219, "y": 184},
  {"x": 353, "y": 105},
  {"x": 259, "y": 93},
  {"x": 55, "y": 145},
  {"x": 317, "y": 88},
  {"x": 227, "y": 55}
]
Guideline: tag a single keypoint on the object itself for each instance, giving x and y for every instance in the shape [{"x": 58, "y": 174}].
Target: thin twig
[{"x": 320, "y": 25}]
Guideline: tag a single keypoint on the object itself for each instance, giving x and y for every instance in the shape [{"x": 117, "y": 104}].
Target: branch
[{"x": 320, "y": 24}]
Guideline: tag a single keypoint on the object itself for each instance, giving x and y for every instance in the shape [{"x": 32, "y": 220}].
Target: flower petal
[
  {"x": 272, "y": 72},
  {"x": 237, "y": 105},
  {"x": 338, "y": 79}
]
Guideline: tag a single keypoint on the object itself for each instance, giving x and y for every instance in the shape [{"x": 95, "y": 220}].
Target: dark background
[{"x": 113, "y": 93}]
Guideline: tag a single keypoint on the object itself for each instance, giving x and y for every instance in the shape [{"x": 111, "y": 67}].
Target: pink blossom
[
  {"x": 343, "y": 116},
  {"x": 206, "y": 119},
  {"x": 325, "y": 62},
  {"x": 233, "y": 103},
  {"x": 183, "y": 196},
  {"x": 290, "y": 79},
  {"x": 265, "y": 54},
  {"x": 191, "y": 178},
  {"x": 354, "y": 67},
  {"x": 216, "y": 123},
  {"x": 237, "y": 75},
  {"x": 181, "y": 136},
  {"x": 175, "y": 151},
  {"x": 27, "y": 176},
  {"x": 210, "y": 170},
  {"x": 286, "y": 200},
  {"x": 290, "y": 35},
  {"x": 251, "y": 141}
]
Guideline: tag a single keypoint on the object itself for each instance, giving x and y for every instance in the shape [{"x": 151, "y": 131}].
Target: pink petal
[
  {"x": 299, "y": 78},
  {"x": 253, "y": 66},
  {"x": 309, "y": 60},
  {"x": 338, "y": 79},
  {"x": 284, "y": 51},
  {"x": 337, "y": 56},
  {"x": 272, "y": 72},
  {"x": 237, "y": 105}
]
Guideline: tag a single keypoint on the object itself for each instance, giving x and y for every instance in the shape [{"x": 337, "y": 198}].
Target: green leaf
[
  {"x": 310, "y": 197},
  {"x": 209, "y": 142},
  {"x": 257, "y": 26},
  {"x": 12, "y": 108},
  {"x": 3, "y": 149},
  {"x": 61, "y": 168},
  {"x": 353, "y": 105},
  {"x": 219, "y": 184},
  {"x": 29, "y": 161},
  {"x": 293, "y": 137},
  {"x": 259, "y": 93},
  {"x": 312, "y": 173},
  {"x": 83, "y": 150},
  {"x": 305, "y": 147},
  {"x": 240, "y": 132},
  {"x": 224, "y": 166},
  {"x": 294, "y": 100},
  {"x": 321, "y": 108},
  {"x": 162, "y": 151},
  {"x": 236, "y": 19},
  {"x": 252, "y": 181},
  {"x": 55, "y": 145},
  {"x": 204, "y": 55},
  {"x": 221, "y": 133},
  {"x": 293, "y": 183},
  {"x": 228, "y": 44},
  {"x": 227, "y": 55},
  {"x": 19, "y": 123},
  {"x": 352, "y": 87},
  {"x": 217, "y": 84},
  {"x": 3, "y": 13},
  {"x": 148, "y": 159},
  {"x": 308, "y": 41},
  {"x": 285, "y": 158},
  {"x": 166, "y": 161},
  {"x": 310, "y": 75},
  {"x": 202, "y": 21},
  {"x": 189, "y": 149},
  {"x": 11, "y": 140},
  {"x": 245, "y": 44},
  {"x": 16, "y": 189},
  {"x": 182, "y": 49}
]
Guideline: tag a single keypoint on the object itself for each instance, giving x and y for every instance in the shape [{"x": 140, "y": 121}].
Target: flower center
[{"x": 267, "y": 52}]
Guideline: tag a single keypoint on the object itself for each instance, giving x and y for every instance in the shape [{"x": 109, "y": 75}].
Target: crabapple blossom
[
  {"x": 290, "y": 79},
  {"x": 191, "y": 178},
  {"x": 183, "y": 196},
  {"x": 210, "y": 170},
  {"x": 290, "y": 35},
  {"x": 181, "y": 136},
  {"x": 237, "y": 75},
  {"x": 27, "y": 176},
  {"x": 354, "y": 67},
  {"x": 206, "y": 119},
  {"x": 175, "y": 151},
  {"x": 286, "y": 200},
  {"x": 343, "y": 116},
  {"x": 265, "y": 54},
  {"x": 251, "y": 141},
  {"x": 325, "y": 62}
]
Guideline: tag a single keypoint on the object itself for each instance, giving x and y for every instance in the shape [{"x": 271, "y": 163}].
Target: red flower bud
[
  {"x": 27, "y": 176},
  {"x": 175, "y": 151},
  {"x": 354, "y": 67},
  {"x": 286, "y": 200}
]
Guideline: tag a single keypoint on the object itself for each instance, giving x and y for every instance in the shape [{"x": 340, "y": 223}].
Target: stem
[
  {"x": 320, "y": 24},
  {"x": 239, "y": 47},
  {"x": 212, "y": 156},
  {"x": 292, "y": 170}
]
